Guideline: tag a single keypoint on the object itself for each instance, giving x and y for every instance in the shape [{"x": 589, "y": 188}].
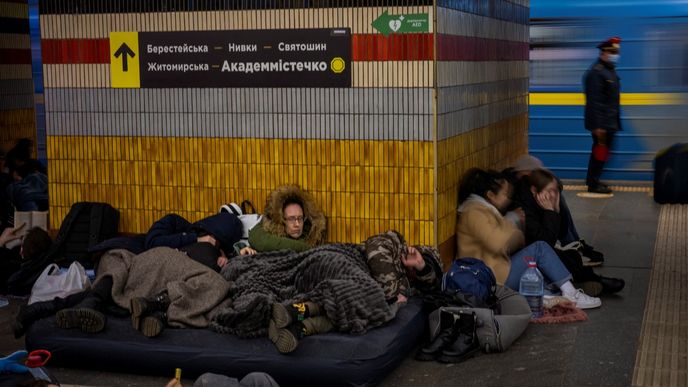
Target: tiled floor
[{"x": 598, "y": 352}]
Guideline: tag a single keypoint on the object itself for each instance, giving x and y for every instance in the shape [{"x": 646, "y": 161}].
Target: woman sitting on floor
[
  {"x": 484, "y": 233},
  {"x": 539, "y": 197}
]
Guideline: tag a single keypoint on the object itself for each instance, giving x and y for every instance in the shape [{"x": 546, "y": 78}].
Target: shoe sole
[
  {"x": 592, "y": 263},
  {"x": 88, "y": 320},
  {"x": 136, "y": 308},
  {"x": 151, "y": 326},
  {"x": 284, "y": 340},
  {"x": 458, "y": 359},
  {"x": 421, "y": 356},
  {"x": 280, "y": 315},
  {"x": 589, "y": 306}
]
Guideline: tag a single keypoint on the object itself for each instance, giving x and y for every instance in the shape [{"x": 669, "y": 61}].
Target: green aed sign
[{"x": 405, "y": 23}]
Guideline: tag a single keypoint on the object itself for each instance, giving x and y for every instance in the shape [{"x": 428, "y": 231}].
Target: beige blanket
[{"x": 194, "y": 289}]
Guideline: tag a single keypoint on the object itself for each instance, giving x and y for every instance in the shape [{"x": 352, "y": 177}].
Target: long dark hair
[
  {"x": 36, "y": 242},
  {"x": 479, "y": 182},
  {"x": 539, "y": 178}
]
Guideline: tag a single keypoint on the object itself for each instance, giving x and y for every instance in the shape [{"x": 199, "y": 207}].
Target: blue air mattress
[{"x": 332, "y": 359}]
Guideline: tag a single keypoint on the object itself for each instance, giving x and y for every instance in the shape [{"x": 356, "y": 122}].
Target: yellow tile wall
[
  {"x": 16, "y": 124},
  {"x": 364, "y": 187}
]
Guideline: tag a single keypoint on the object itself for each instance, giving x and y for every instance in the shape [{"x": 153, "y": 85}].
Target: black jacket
[
  {"x": 541, "y": 224},
  {"x": 602, "y": 91}
]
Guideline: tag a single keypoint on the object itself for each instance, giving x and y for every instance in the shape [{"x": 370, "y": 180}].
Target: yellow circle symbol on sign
[{"x": 337, "y": 65}]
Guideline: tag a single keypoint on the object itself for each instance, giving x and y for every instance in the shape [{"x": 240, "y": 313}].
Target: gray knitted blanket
[{"x": 335, "y": 276}]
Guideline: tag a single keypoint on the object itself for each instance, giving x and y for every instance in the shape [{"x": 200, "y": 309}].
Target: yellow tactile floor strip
[
  {"x": 662, "y": 357},
  {"x": 616, "y": 188}
]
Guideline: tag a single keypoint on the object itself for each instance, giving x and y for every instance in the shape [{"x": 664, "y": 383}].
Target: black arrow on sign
[{"x": 123, "y": 51}]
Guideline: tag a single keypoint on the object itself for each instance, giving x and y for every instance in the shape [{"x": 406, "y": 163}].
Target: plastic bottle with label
[{"x": 532, "y": 287}]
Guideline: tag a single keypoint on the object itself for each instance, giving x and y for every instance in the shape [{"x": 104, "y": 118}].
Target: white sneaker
[
  {"x": 575, "y": 245},
  {"x": 583, "y": 301}
]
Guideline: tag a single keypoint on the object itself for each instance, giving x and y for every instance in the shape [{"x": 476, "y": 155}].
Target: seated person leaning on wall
[{"x": 291, "y": 221}]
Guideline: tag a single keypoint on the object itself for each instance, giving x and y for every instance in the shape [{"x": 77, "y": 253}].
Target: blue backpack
[{"x": 472, "y": 278}]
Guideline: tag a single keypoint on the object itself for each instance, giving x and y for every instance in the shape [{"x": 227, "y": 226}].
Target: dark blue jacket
[
  {"x": 602, "y": 93},
  {"x": 174, "y": 231},
  {"x": 30, "y": 193}
]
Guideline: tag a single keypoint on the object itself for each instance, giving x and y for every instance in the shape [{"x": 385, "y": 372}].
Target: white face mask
[{"x": 613, "y": 58}]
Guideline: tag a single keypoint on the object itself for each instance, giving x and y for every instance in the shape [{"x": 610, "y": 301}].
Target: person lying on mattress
[
  {"x": 159, "y": 286},
  {"x": 289, "y": 295},
  {"x": 291, "y": 221}
]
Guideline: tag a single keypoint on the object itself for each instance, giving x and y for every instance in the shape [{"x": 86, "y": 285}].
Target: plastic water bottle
[{"x": 532, "y": 287}]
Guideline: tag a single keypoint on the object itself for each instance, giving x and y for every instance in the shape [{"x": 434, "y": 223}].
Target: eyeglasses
[{"x": 296, "y": 219}]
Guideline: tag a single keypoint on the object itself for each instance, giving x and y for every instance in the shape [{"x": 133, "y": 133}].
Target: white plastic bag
[
  {"x": 54, "y": 282},
  {"x": 248, "y": 220}
]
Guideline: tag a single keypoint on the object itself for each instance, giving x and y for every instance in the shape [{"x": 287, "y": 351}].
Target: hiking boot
[
  {"x": 591, "y": 288},
  {"x": 141, "y": 306},
  {"x": 447, "y": 335},
  {"x": 28, "y": 314},
  {"x": 466, "y": 344},
  {"x": 583, "y": 301},
  {"x": 153, "y": 324},
  {"x": 591, "y": 257},
  {"x": 612, "y": 285},
  {"x": 287, "y": 339},
  {"x": 85, "y": 316},
  {"x": 284, "y": 315}
]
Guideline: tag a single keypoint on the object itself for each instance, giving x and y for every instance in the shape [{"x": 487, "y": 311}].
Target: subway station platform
[{"x": 636, "y": 338}]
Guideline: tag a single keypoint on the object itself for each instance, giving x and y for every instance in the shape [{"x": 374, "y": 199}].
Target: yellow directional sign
[{"x": 124, "y": 60}]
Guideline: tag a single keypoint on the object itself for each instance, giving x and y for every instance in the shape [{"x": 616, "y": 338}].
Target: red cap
[{"x": 612, "y": 43}]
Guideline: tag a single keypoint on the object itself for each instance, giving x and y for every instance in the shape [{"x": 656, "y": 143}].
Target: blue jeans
[{"x": 548, "y": 263}]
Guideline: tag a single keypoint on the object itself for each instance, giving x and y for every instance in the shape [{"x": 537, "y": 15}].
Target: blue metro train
[{"x": 654, "y": 81}]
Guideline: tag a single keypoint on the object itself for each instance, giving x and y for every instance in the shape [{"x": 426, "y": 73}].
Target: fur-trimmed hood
[{"x": 273, "y": 222}]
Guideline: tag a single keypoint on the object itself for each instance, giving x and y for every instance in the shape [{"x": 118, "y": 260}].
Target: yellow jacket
[{"x": 483, "y": 233}]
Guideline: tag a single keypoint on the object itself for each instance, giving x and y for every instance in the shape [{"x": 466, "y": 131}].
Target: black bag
[
  {"x": 671, "y": 175},
  {"x": 86, "y": 225}
]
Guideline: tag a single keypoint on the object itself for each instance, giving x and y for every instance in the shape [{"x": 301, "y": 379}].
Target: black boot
[
  {"x": 85, "y": 315},
  {"x": 153, "y": 324},
  {"x": 612, "y": 285},
  {"x": 448, "y": 333},
  {"x": 28, "y": 314},
  {"x": 141, "y": 306},
  {"x": 466, "y": 344}
]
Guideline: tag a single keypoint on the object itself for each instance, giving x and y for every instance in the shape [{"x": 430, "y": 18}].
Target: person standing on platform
[{"x": 602, "y": 110}]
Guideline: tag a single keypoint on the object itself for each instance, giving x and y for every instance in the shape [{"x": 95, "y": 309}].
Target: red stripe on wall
[
  {"x": 465, "y": 48},
  {"x": 62, "y": 51},
  {"x": 15, "y": 56},
  {"x": 364, "y": 47},
  {"x": 376, "y": 47}
]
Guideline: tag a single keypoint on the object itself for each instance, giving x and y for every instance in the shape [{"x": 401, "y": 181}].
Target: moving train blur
[{"x": 654, "y": 81}]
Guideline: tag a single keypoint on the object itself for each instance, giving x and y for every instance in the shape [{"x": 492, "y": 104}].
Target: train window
[
  {"x": 559, "y": 53},
  {"x": 667, "y": 59}
]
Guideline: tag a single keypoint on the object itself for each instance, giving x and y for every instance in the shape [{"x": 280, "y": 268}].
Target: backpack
[
  {"x": 86, "y": 225},
  {"x": 473, "y": 279}
]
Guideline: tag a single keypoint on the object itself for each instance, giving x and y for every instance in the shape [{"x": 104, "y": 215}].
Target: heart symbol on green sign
[{"x": 394, "y": 25}]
